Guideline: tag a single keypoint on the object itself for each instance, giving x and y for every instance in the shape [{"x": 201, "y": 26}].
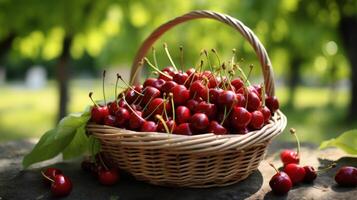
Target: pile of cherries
[
  {"x": 294, "y": 174},
  {"x": 190, "y": 102},
  {"x": 60, "y": 184}
]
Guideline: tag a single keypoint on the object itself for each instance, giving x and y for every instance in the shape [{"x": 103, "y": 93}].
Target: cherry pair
[{"x": 61, "y": 185}]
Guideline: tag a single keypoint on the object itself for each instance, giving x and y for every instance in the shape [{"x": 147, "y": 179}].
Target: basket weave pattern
[{"x": 204, "y": 160}]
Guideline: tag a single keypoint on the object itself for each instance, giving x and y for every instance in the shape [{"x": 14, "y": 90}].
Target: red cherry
[
  {"x": 214, "y": 94},
  {"x": 183, "y": 114},
  {"x": 150, "y": 93},
  {"x": 280, "y": 183},
  {"x": 241, "y": 100},
  {"x": 166, "y": 88},
  {"x": 191, "y": 104},
  {"x": 183, "y": 129},
  {"x": 149, "y": 126},
  {"x": 289, "y": 156},
  {"x": 240, "y": 118},
  {"x": 50, "y": 173},
  {"x": 310, "y": 175},
  {"x": 61, "y": 186},
  {"x": 165, "y": 78},
  {"x": 237, "y": 83},
  {"x": 108, "y": 177},
  {"x": 157, "y": 106},
  {"x": 257, "y": 120},
  {"x": 122, "y": 116},
  {"x": 267, "y": 114},
  {"x": 170, "y": 70},
  {"x": 131, "y": 96},
  {"x": 227, "y": 98},
  {"x": 216, "y": 128},
  {"x": 253, "y": 101},
  {"x": 136, "y": 120},
  {"x": 180, "y": 78},
  {"x": 295, "y": 172},
  {"x": 98, "y": 113},
  {"x": 113, "y": 107},
  {"x": 180, "y": 94},
  {"x": 110, "y": 120},
  {"x": 199, "y": 121},
  {"x": 207, "y": 108},
  {"x": 272, "y": 103},
  {"x": 149, "y": 82},
  {"x": 158, "y": 84},
  {"x": 198, "y": 89},
  {"x": 346, "y": 176}
]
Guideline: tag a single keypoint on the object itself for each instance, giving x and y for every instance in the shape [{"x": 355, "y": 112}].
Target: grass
[{"x": 28, "y": 113}]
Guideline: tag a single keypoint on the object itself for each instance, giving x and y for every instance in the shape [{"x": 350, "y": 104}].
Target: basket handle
[{"x": 226, "y": 19}]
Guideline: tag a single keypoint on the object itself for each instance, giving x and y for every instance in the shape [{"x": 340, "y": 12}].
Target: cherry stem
[
  {"x": 141, "y": 63},
  {"x": 234, "y": 54},
  {"x": 330, "y": 166},
  {"x": 224, "y": 70},
  {"x": 159, "y": 117},
  {"x": 227, "y": 114},
  {"x": 90, "y": 96},
  {"x": 215, "y": 53},
  {"x": 171, "y": 96},
  {"x": 149, "y": 115},
  {"x": 119, "y": 77},
  {"x": 154, "y": 55},
  {"x": 130, "y": 108},
  {"x": 169, "y": 56},
  {"x": 206, "y": 84},
  {"x": 151, "y": 98},
  {"x": 116, "y": 90},
  {"x": 208, "y": 60},
  {"x": 102, "y": 161},
  {"x": 156, "y": 69},
  {"x": 165, "y": 111},
  {"x": 105, "y": 100},
  {"x": 272, "y": 165},
  {"x": 249, "y": 73},
  {"x": 181, "y": 58},
  {"x": 48, "y": 178},
  {"x": 293, "y": 132},
  {"x": 246, "y": 81}
]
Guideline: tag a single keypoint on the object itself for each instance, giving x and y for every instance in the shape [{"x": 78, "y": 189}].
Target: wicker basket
[{"x": 205, "y": 160}]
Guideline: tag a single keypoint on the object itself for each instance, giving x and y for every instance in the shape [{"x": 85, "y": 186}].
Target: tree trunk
[
  {"x": 348, "y": 31},
  {"x": 63, "y": 77},
  {"x": 294, "y": 79},
  {"x": 5, "y": 45}
]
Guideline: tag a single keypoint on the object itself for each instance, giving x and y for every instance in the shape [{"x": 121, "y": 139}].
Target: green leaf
[
  {"x": 56, "y": 140},
  {"x": 347, "y": 141}
]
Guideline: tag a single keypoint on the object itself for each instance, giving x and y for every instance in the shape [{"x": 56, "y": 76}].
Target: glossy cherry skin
[
  {"x": 51, "y": 173},
  {"x": 149, "y": 94},
  {"x": 98, "y": 113},
  {"x": 257, "y": 120},
  {"x": 199, "y": 121},
  {"x": 346, "y": 176},
  {"x": 113, "y": 107},
  {"x": 288, "y": 156},
  {"x": 122, "y": 116},
  {"x": 136, "y": 120},
  {"x": 295, "y": 172},
  {"x": 157, "y": 106},
  {"x": 149, "y": 82},
  {"x": 310, "y": 174},
  {"x": 61, "y": 186},
  {"x": 180, "y": 78},
  {"x": 237, "y": 83},
  {"x": 198, "y": 89},
  {"x": 266, "y": 112},
  {"x": 241, "y": 100},
  {"x": 170, "y": 70},
  {"x": 227, "y": 98},
  {"x": 240, "y": 117},
  {"x": 183, "y": 114},
  {"x": 253, "y": 101},
  {"x": 214, "y": 94},
  {"x": 180, "y": 94},
  {"x": 110, "y": 120},
  {"x": 216, "y": 128},
  {"x": 209, "y": 109},
  {"x": 108, "y": 177},
  {"x": 149, "y": 126},
  {"x": 272, "y": 103},
  {"x": 191, "y": 104},
  {"x": 280, "y": 183},
  {"x": 166, "y": 88},
  {"x": 183, "y": 129},
  {"x": 171, "y": 124}
]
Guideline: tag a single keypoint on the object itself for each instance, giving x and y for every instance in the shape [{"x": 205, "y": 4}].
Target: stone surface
[{"x": 18, "y": 184}]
